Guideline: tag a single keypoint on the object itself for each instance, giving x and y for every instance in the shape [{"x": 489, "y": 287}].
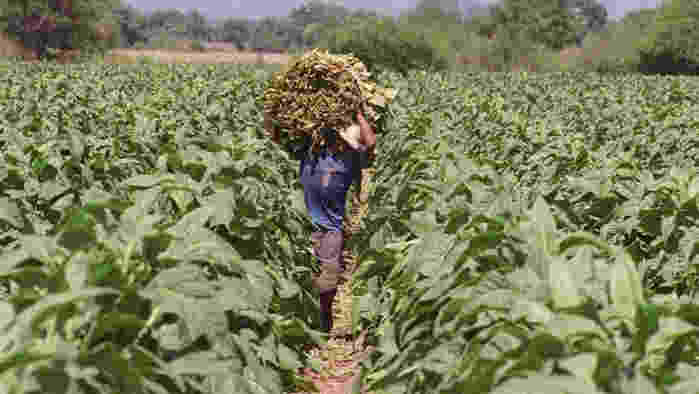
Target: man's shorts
[{"x": 327, "y": 247}]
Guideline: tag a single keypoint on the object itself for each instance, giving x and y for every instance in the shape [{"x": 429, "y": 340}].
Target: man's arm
[
  {"x": 271, "y": 129},
  {"x": 366, "y": 132}
]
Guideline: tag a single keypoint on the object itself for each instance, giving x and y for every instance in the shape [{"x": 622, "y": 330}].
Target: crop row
[
  {"x": 526, "y": 233},
  {"x": 534, "y": 234},
  {"x": 150, "y": 241}
]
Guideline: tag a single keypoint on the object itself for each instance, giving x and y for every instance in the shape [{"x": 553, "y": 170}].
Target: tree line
[
  {"x": 302, "y": 27},
  {"x": 434, "y": 33}
]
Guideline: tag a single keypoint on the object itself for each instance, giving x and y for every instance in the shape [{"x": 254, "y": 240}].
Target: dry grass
[{"x": 128, "y": 56}]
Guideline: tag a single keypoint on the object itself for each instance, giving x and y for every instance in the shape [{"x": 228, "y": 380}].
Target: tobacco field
[{"x": 526, "y": 233}]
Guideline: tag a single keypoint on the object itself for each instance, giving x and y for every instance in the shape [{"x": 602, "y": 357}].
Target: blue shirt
[{"x": 326, "y": 177}]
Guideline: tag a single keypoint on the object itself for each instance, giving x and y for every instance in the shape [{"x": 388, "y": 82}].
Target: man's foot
[
  {"x": 326, "y": 311},
  {"x": 325, "y": 322}
]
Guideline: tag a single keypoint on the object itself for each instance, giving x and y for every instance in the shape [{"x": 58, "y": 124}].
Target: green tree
[
  {"x": 237, "y": 31},
  {"x": 131, "y": 23},
  {"x": 382, "y": 43},
  {"x": 595, "y": 15},
  {"x": 276, "y": 33},
  {"x": 314, "y": 17},
  {"x": 671, "y": 47},
  {"x": 85, "y": 24},
  {"x": 197, "y": 26},
  {"x": 435, "y": 11},
  {"x": 547, "y": 22},
  {"x": 442, "y": 24},
  {"x": 643, "y": 18}
]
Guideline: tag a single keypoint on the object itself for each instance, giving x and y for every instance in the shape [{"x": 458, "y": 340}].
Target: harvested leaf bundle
[{"x": 321, "y": 90}]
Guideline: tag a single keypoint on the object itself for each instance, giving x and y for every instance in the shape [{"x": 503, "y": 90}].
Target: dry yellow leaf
[{"x": 321, "y": 90}]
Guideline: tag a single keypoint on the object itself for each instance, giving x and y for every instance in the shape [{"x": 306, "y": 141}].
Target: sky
[{"x": 261, "y": 8}]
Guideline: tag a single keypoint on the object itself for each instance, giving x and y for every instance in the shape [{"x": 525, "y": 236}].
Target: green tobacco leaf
[
  {"x": 564, "y": 291},
  {"x": 10, "y": 260},
  {"x": 172, "y": 337},
  {"x": 545, "y": 224},
  {"x": 544, "y": 384},
  {"x": 77, "y": 270},
  {"x": 240, "y": 295},
  {"x": 640, "y": 384},
  {"x": 582, "y": 366},
  {"x": 581, "y": 238},
  {"x": 187, "y": 279},
  {"x": 40, "y": 248},
  {"x": 21, "y": 359},
  {"x": 531, "y": 311},
  {"x": 650, "y": 317},
  {"x": 287, "y": 358},
  {"x": 7, "y": 314},
  {"x": 126, "y": 325},
  {"x": 625, "y": 286},
  {"x": 200, "y": 363},
  {"x": 422, "y": 224},
  {"x": 670, "y": 329},
  {"x": 148, "y": 181},
  {"x": 566, "y": 327},
  {"x": 11, "y": 213},
  {"x": 103, "y": 270},
  {"x": 29, "y": 318},
  {"x": 689, "y": 386},
  {"x": 185, "y": 291},
  {"x": 288, "y": 288}
]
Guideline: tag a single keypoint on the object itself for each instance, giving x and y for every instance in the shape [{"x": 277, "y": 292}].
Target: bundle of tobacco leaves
[{"x": 321, "y": 90}]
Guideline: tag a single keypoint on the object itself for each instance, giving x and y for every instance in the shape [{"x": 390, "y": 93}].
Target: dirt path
[{"x": 341, "y": 356}]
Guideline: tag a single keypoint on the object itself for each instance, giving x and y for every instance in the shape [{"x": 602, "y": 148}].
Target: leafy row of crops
[
  {"x": 534, "y": 234},
  {"x": 150, "y": 241},
  {"x": 527, "y": 233}
]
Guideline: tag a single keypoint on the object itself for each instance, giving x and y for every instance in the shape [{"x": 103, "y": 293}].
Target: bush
[
  {"x": 197, "y": 46},
  {"x": 162, "y": 41},
  {"x": 384, "y": 44},
  {"x": 612, "y": 50},
  {"x": 512, "y": 49},
  {"x": 671, "y": 47}
]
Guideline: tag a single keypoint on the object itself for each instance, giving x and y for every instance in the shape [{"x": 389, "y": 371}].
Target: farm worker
[{"x": 326, "y": 177}]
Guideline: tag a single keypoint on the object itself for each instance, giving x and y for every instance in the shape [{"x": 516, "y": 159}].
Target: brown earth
[
  {"x": 182, "y": 54},
  {"x": 188, "y": 56}
]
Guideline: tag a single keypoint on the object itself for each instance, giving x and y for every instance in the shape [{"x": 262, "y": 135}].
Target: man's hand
[
  {"x": 367, "y": 136},
  {"x": 272, "y": 130}
]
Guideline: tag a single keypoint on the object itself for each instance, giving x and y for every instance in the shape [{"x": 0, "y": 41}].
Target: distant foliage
[
  {"x": 198, "y": 46},
  {"x": 671, "y": 47},
  {"x": 547, "y": 22},
  {"x": 384, "y": 44}
]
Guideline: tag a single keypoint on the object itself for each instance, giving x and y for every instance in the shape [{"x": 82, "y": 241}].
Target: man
[{"x": 326, "y": 177}]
